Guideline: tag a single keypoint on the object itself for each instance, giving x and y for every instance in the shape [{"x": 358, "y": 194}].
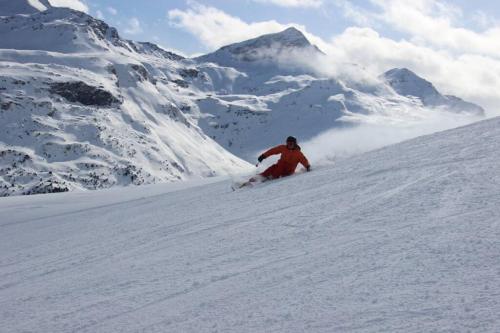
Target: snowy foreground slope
[{"x": 403, "y": 239}]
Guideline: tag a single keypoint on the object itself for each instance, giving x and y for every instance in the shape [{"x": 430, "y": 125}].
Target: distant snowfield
[{"x": 402, "y": 239}]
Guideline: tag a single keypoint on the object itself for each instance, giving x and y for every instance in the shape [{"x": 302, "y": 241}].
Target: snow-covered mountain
[
  {"x": 274, "y": 88},
  {"x": 82, "y": 108},
  {"x": 403, "y": 239},
  {"x": 407, "y": 83},
  {"x": 269, "y": 49}
]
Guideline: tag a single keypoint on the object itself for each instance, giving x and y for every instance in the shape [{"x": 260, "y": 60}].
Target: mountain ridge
[
  {"x": 407, "y": 83},
  {"x": 263, "y": 49},
  {"x": 83, "y": 108},
  {"x": 286, "y": 95}
]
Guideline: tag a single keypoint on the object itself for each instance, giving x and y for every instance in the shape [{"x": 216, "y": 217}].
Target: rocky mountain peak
[
  {"x": 290, "y": 38},
  {"x": 58, "y": 30},
  {"x": 268, "y": 48},
  {"x": 407, "y": 83}
]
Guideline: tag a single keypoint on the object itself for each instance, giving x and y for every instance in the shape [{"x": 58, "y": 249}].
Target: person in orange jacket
[{"x": 291, "y": 156}]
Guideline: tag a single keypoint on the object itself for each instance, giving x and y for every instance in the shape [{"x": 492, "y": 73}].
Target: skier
[{"x": 290, "y": 157}]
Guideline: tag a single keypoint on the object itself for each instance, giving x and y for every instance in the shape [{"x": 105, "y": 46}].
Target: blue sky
[
  {"x": 149, "y": 20},
  {"x": 155, "y": 23},
  {"x": 454, "y": 44}
]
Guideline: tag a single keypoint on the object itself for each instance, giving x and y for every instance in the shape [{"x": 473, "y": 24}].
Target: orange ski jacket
[{"x": 289, "y": 159}]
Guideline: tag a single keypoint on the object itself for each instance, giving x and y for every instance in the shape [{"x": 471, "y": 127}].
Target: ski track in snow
[{"x": 402, "y": 239}]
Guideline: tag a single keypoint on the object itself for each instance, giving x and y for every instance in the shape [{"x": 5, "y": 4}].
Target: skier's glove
[
  {"x": 261, "y": 158},
  {"x": 308, "y": 168}
]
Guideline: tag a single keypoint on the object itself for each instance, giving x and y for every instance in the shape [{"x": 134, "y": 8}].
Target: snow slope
[
  {"x": 81, "y": 107},
  {"x": 402, "y": 239}
]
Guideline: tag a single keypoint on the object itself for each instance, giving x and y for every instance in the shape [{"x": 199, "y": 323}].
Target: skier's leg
[{"x": 274, "y": 171}]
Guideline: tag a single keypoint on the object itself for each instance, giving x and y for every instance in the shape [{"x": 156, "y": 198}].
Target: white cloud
[
  {"x": 438, "y": 46},
  {"x": 293, "y": 3},
  {"x": 99, "y": 15},
  {"x": 354, "y": 13},
  {"x": 133, "y": 26},
  {"x": 73, "y": 4},
  {"x": 214, "y": 28},
  {"x": 470, "y": 76},
  {"x": 457, "y": 60},
  {"x": 435, "y": 23},
  {"x": 112, "y": 10},
  {"x": 330, "y": 146}
]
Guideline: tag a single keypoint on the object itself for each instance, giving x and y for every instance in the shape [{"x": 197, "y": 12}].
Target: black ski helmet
[{"x": 291, "y": 139}]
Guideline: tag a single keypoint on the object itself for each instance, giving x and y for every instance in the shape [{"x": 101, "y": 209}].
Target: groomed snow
[{"x": 403, "y": 239}]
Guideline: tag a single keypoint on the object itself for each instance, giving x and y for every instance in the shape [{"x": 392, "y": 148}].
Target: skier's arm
[
  {"x": 273, "y": 151},
  {"x": 304, "y": 162}
]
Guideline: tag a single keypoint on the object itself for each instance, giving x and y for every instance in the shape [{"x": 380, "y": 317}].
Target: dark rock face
[
  {"x": 80, "y": 92},
  {"x": 103, "y": 30},
  {"x": 189, "y": 73},
  {"x": 142, "y": 73},
  {"x": 181, "y": 83},
  {"x": 153, "y": 49},
  {"x": 48, "y": 186}
]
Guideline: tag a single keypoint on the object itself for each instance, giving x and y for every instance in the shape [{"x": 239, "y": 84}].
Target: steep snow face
[
  {"x": 403, "y": 239},
  {"x": 16, "y": 7},
  {"x": 407, "y": 83},
  {"x": 58, "y": 30},
  {"x": 105, "y": 112}
]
